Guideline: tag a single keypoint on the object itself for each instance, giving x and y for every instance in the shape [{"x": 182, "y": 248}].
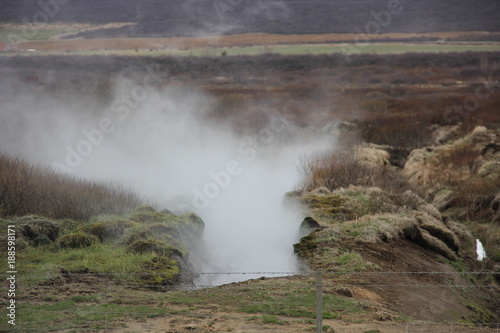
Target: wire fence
[{"x": 318, "y": 310}]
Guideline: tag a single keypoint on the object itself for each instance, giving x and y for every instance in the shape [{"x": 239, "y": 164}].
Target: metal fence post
[{"x": 319, "y": 302}]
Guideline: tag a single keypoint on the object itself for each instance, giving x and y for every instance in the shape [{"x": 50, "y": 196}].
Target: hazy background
[{"x": 154, "y": 18}]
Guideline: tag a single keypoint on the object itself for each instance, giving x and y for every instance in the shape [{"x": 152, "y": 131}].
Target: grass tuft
[{"x": 78, "y": 240}]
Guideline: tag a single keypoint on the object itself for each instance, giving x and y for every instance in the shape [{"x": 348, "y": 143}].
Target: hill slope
[{"x": 191, "y": 17}]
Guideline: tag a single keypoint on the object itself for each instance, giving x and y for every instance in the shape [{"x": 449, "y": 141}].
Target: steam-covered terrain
[
  {"x": 158, "y": 140},
  {"x": 160, "y": 175},
  {"x": 214, "y": 166}
]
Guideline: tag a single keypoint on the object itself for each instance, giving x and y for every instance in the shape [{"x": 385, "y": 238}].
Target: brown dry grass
[
  {"x": 460, "y": 156},
  {"x": 477, "y": 195},
  {"x": 406, "y": 131}
]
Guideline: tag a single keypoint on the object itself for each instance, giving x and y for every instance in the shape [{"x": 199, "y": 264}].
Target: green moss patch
[
  {"x": 187, "y": 225},
  {"x": 154, "y": 246},
  {"x": 160, "y": 271},
  {"x": 77, "y": 240},
  {"x": 108, "y": 230},
  {"x": 38, "y": 230},
  {"x": 145, "y": 246},
  {"x": 333, "y": 207}
]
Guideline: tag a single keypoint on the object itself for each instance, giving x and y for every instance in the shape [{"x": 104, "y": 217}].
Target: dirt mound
[{"x": 408, "y": 258}]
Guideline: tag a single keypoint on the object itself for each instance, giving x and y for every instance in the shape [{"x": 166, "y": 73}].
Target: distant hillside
[{"x": 190, "y": 17}]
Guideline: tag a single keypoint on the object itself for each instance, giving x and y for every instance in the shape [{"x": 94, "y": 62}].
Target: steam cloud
[{"x": 165, "y": 148}]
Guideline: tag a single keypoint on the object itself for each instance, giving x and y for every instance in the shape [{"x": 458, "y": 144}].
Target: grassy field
[
  {"x": 381, "y": 48},
  {"x": 299, "y": 49},
  {"x": 16, "y": 34}
]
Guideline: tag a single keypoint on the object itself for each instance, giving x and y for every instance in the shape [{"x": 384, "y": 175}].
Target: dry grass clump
[
  {"x": 435, "y": 244},
  {"x": 389, "y": 227},
  {"x": 438, "y": 229},
  {"x": 386, "y": 227},
  {"x": 28, "y": 189}
]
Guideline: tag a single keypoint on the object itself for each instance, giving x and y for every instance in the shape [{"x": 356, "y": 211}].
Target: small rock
[{"x": 311, "y": 223}]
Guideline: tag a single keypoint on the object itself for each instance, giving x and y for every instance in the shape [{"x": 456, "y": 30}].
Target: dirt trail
[{"x": 224, "y": 322}]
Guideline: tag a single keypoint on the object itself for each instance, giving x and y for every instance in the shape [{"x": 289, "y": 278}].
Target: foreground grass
[
  {"x": 268, "y": 300},
  {"x": 111, "y": 260}
]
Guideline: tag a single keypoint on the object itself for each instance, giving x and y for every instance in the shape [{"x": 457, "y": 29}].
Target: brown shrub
[
  {"x": 399, "y": 131},
  {"x": 334, "y": 171},
  {"x": 476, "y": 196},
  {"x": 341, "y": 170},
  {"x": 231, "y": 102},
  {"x": 28, "y": 189},
  {"x": 460, "y": 156}
]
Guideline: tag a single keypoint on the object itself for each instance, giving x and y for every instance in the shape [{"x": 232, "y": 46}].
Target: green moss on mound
[
  {"x": 38, "y": 230},
  {"x": 330, "y": 206},
  {"x": 108, "y": 230},
  {"x": 188, "y": 224},
  {"x": 145, "y": 209},
  {"x": 143, "y": 243},
  {"x": 155, "y": 246},
  {"x": 160, "y": 271},
  {"x": 77, "y": 240}
]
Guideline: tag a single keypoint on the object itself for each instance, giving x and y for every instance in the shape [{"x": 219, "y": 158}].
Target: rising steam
[{"x": 159, "y": 142}]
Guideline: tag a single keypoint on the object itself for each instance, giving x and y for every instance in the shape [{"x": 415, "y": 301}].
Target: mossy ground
[
  {"x": 144, "y": 246},
  {"x": 270, "y": 301}
]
